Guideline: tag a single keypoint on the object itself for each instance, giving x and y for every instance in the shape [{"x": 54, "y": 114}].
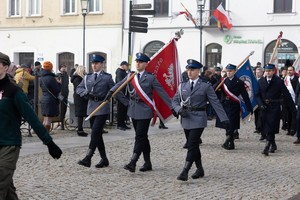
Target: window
[
  {"x": 69, "y": 6},
  {"x": 286, "y": 51},
  {"x": 95, "y": 6},
  {"x": 34, "y": 7},
  {"x": 161, "y": 8},
  {"x": 26, "y": 58},
  {"x": 283, "y": 6},
  {"x": 213, "y": 5},
  {"x": 213, "y": 55},
  {"x": 67, "y": 59},
  {"x": 14, "y": 8}
]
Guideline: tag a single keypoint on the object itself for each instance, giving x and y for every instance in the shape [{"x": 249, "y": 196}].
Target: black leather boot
[
  {"x": 273, "y": 147},
  {"x": 231, "y": 143},
  {"x": 226, "y": 143},
  {"x": 132, "y": 164},
  {"x": 147, "y": 165},
  {"x": 266, "y": 149},
  {"x": 82, "y": 133},
  {"x": 183, "y": 176},
  {"x": 263, "y": 136},
  {"x": 104, "y": 161},
  {"x": 87, "y": 159},
  {"x": 199, "y": 171}
]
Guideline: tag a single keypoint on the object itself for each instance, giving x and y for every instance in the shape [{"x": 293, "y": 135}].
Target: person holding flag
[
  {"x": 190, "y": 103},
  {"x": 269, "y": 95},
  {"x": 141, "y": 109},
  {"x": 231, "y": 88}
]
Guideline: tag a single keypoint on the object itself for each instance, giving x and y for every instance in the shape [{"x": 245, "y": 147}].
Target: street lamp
[
  {"x": 200, "y": 4},
  {"x": 84, "y": 10}
]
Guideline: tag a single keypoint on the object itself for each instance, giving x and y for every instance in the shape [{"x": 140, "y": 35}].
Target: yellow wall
[{"x": 51, "y": 15}]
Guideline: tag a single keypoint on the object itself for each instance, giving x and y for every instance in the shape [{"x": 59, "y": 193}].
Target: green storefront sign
[{"x": 230, "y": 39}]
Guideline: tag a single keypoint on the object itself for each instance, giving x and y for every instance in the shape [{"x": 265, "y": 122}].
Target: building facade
[
  {"x": 43, "y": 30},
  {"x": 256, "y": 26},
  {"x": 53, "y": 30}
]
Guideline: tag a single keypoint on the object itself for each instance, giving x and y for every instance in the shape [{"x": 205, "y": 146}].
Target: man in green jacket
[{"x": 13, "y": 106}]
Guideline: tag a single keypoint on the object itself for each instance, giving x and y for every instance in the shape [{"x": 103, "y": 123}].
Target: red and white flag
[
  {"x": 222, "y": 16},
  {"x": 164, "y": 64}
]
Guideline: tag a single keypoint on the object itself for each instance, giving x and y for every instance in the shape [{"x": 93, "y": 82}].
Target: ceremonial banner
[
  {"x": 274, "y": 56},
  {"x": 164, "y": 64},
  {"x": 245, "y": 74}
]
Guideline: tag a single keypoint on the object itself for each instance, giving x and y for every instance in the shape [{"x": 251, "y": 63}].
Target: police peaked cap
[
  {"x": 231, "y": 66},
  {"x": 98, "y": 58},
  {"x": 269, "y": 66},
  {"x": 142, "y": 57},
  {"x": 193, "y": 64}
]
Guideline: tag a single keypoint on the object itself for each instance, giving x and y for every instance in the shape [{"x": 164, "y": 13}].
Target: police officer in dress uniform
[
  {"x": 232, "y": 88},
  {"x": 95, "y": 85},
  {"x": 140, "y": 112},
  {"x": 268, "y": 96},
  {"x": 190, "y": 103}
]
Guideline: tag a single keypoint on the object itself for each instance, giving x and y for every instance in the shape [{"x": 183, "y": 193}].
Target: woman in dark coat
[
  {"x": 50, "y": 88},
  {"x": 79, "y": 102}
]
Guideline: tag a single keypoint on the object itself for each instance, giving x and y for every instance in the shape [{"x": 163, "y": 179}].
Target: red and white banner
[
  {"x": 222, "y": 16},
  {"x": 164, "y": 64}
]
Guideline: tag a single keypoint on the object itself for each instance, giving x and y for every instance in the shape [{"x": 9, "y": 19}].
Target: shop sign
[{"x": 233, "y": 39}]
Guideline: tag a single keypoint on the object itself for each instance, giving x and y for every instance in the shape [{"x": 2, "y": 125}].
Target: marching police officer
[
  {"x": 190, "y": 103},
  {"x": 230, "y": 90},
  {"x": 268, "y": 96},
  {"x": 140, "y": 111},
  {"x": 95, "y": 85}
]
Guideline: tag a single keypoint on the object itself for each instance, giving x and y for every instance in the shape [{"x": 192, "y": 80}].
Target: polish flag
[
  {"x": 222, "y": 16},
  {"x": 165, "y": 66}
]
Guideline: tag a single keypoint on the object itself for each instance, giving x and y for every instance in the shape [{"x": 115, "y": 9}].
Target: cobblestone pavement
[{"x": 241, "y": 174}]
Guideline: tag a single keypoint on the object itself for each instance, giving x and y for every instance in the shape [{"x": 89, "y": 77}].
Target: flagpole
[
  {"x": 238, "y": 67},
  {"x": 276, "y": 46},
  {"x": 115, "y": 92}
]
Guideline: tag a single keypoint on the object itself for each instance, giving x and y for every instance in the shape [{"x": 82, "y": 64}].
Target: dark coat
[
  {"x": 120, "y": 75},
  {"x": 270, "y": 95},
  {"x": 232, "y": 108},
  {"x": 297, "y": 94},
  {"x": 80, "y": 103},
  {"x": 64, "y": 78},
  {"x": 50, "y": 89},
  {"x": 294, "y": 82}
]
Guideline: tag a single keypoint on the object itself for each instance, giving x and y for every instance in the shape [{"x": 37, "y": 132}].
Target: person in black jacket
[
  {"x": 121, "y": 73},
  {"x": 50, "y": 88},
  {"x": 63, "y": 79},
  {"x": 230, "y": 90},
  {"x": 297, "y": 101},
  {"x": 269, "y": 95},
  {"x": 80, "y": 103},
  {"x": 291, "y": 81},
  {"x": 13, "y": 106}
]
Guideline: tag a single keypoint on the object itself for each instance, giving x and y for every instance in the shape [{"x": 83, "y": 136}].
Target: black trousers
[
  {"x": 257, "y": 119},
  {"x": 193, "y": 153},
  {"x": 63, "y": 108},
  {"x": 122, "y": 114},
  {"x": 97, "y": 124},
  {"x": 141, "y": 144}
]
